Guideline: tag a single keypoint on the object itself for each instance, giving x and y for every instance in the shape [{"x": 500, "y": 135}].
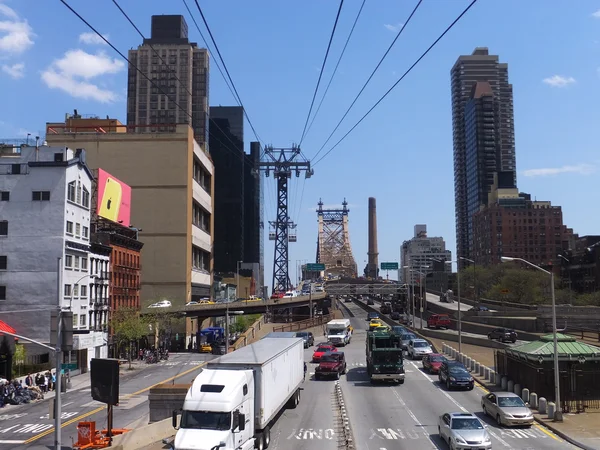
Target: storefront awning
[{"x": 6, "y": 327}]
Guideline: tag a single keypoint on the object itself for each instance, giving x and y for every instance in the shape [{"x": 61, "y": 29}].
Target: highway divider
[
  {"x": 305, "y": 324},
  {"x": 249, "y": 335},
  {"x": 344, "y": 433},
  {"x": 143, "y": 437}
]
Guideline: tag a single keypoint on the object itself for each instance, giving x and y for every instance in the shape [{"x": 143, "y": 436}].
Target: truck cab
[{"x": 339, "y": 331}]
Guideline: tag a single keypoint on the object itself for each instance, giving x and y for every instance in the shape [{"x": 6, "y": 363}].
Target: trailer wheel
[
  {"x": 267, "y": 435},
  {"x": 259, "y": 442}
]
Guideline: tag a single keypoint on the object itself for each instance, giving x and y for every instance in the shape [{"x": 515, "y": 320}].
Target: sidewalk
[{"x": 581, "y": 430}]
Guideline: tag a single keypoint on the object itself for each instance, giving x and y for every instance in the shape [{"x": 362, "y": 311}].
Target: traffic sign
[
  {"x": 315, "y": 267},
  {"x": 68, "y": 366},
  {"x": 389, "y": 266}
]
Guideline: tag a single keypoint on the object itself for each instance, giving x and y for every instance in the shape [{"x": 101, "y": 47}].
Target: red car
[
  {"x": 321, "y": 350},
  {"x": 277, "y": 295},
  {"x": 433, "y": 362},
  {"x": 439, "y": 321},
  {"x": 331, "y": 365}
]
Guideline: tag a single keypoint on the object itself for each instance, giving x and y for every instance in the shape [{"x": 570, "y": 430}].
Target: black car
[
  {"x": 372, "y": 315},
  {"x": 479, "y": 308},
  {"x": 503, "y": 335},
  {"x": 395, "y": 315},
  {"x": 455, "y": 376},
  {"x": 309, "y": 339},
  {"x": 370, "y": 302}
]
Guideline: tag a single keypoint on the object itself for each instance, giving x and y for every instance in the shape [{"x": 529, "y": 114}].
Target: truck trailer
[{"x": 235, "y": 400}]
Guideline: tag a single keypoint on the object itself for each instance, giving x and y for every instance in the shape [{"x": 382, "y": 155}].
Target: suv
[
  {"x": 439, "y": 321},
  {"x": 455, "y": 374},
  {"x": 307, "y": 336},
  {"x": 503, "y": 335},
  {"x": 331, "y": 365}
]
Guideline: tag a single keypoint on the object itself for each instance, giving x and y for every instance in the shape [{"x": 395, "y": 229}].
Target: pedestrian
[{"x": 29, "y": 380}]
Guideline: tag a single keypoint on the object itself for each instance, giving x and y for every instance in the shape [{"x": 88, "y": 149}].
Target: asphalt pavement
[{"x": 29, "y": 426}]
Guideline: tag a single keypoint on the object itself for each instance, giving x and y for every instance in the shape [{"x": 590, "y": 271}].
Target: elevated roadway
[{"x": 388, "y": 417}]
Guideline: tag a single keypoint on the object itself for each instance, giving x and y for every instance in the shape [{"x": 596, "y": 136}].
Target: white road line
[
  {"x": 67, "y": 404},
  {"x": 412, "y": 415},
  {"x": 8, "y": 441},
  {"x": 146, "y": 376}
]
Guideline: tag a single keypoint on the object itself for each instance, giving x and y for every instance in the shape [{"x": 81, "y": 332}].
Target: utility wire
[
  {"x": 336, "y": 67},
  {"x": 400, "y": 79},
  {"x": 312, "y": 103},
  {"x": 226, "y": 70},
  {"x": 370, "y": 77}
]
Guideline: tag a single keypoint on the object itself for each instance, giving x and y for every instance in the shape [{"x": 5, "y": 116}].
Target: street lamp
[
  {"x": 459, "y": 313},
  {"x": 227, "y": 312},
  {"x": 568, "y": 269},
  {"x": 412, "y": 292},
  {"x": 558, "y": 417},
  {"x": 423, "y": 290},
  {"x": 474, "y": 275},
  {"x": 237, "y": 280}
]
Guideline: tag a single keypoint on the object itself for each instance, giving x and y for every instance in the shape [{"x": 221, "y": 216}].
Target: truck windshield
[
  {"x": 387, "y": 357},
  {"x": 205, "y": 420},
  {"x": 336, "y": 331}
]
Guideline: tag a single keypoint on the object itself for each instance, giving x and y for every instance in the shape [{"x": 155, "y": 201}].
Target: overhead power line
[
  {"x": 312, "y": 103},
  {"x": 226, "y": 70},
  {"x": 336, "y": 67},
  {"x": 370, "y": 77},
  {"x": 399, "y": 80}
]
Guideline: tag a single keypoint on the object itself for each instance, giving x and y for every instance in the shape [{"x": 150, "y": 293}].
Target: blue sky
[{"x": 401, "y": 154}]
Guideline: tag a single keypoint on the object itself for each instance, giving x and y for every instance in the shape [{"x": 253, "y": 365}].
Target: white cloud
[
  {"x": 75, "y": 70},
  {"x": 394, "y": 28},
  {"x": 16, "y": 35},
  {"x": 580, "y": 169},
  {"x": 559, "y": 81},
  {"x": 15, "y": 71},
  {"x": 92, "y": 39},
  {"x": 596, "y": 14}
]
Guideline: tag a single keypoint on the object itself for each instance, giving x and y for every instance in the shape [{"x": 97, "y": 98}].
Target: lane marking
[
  {"x": 67, "y": 404},
  {"x": 97, "y": 410},
  {"x": 8, "y": 441},
  {"x": 412, "y": 415}
]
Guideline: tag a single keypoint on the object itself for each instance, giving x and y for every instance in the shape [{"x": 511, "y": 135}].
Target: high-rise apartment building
[
  {"x": 177, "y": 67},
  {"x": 419, "y": 255},
  {"x": 483, "y": 135},
  {"x": 254, "y": 222},
  {"x": 226, "y": 143}
]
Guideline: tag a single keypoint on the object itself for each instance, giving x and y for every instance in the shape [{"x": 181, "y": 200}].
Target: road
[
  {"x": 29, "y": 426},
  {"x": 389, "y": 417}
]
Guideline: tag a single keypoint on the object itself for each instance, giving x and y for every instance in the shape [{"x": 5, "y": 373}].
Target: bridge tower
[
  {"x": 282, "y": 162},
  {"x": 333, "y": 246}
]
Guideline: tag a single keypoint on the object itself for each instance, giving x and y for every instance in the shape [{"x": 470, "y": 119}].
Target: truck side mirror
[
  {"x": 242, "y": 422},
  {"x": 174, "y": 418},
  {"x": 235, "y": 420}
]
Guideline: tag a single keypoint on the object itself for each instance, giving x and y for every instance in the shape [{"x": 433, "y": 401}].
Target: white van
[{"x": 339, "y": 331}]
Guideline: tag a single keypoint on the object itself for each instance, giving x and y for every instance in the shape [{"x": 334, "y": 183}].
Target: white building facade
[
  {"x": 419, "y": 255},
  {"x": 45, "y": 215}
]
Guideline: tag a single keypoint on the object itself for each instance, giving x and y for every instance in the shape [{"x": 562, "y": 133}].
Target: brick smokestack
[{"x": 372, "y": 269}]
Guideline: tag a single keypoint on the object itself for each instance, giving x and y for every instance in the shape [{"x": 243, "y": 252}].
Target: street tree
[{"x": 128, "y": 327}]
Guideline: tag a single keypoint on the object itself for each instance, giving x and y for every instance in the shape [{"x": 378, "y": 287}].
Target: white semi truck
[{"x": 234, "y": 401}]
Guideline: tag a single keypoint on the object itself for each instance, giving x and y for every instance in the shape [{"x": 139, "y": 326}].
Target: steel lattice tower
[
  {"x": 333, "y": 247},
  {"x": 283, "y": 161}
]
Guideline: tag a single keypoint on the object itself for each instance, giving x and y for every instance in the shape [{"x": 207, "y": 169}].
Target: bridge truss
[{"x": 333, "y": 246}]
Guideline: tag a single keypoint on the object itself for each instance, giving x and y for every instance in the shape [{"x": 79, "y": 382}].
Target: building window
[
  {"x": 82, "y": 318},
  {"x": 75, "y": 290},
  {"x": 75, "y": 320},
  {"x": 2, "y": 292},
  {"x": 77, "y": 230},
  {"x": 78, "y": 192},
  {"x": 85, "y": 199},
  {"x": 71, "y": 191},
  {"x": 69, "y": 261},
  {"x": 40, "y": 196},
  {"x": 5, "y": 196},
  {"x": 77, "y": 262},
  {"x": 69, "y": 227},
  {"x": 83, "y": 290},
  {"x": 200, "y": 259},
  {"x": 85, "y": 232},
  {"x": 68, "y": 290},
  {"x": 84, "y": 263},
  {"x": 3, "y": 227},
  {"x": 3, "y": 262}
]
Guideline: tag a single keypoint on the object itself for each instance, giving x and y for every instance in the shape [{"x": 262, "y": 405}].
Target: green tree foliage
[
  {"x": 20, "y": 354},
  {"x": 128, "y": 327},
  {"x": 164, "y": 322}
]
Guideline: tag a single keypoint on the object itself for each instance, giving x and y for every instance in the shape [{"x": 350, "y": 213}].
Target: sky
[{"x": 401, "y": 153}]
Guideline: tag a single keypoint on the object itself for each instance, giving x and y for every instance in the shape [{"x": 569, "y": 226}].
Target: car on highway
[
  {"x": 309, "y": 339},
  {"x": 507, "y": 408},
  {"x": 433, "y": 362},
  {"x": 375, "y": 323},
  {"x": 332, "y": 365},
  {"x": 417, "y": 348},
  {"x": 372, "y": 315},
  {"x": 321, "y": 350},
  {"x": 406, "y": 338},
  {"x": 395, "y": 315},
  {"x": 399, "y": 330},
  {"x": 479, "y": 308},
  {"x": 439, "y": 321},
  {"x": 455, "y": 376},
  {"x": 370, "y": 302},
  {"x": 503, "y": 335},
  {"x": 464, "y": 431}
]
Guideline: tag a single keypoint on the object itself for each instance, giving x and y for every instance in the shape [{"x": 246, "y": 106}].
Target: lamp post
[
  {"x": 412, "y": 292},
  {"x": 474, "y": 275},
  {"x": 558, "y": 417},
  {"x": 568, "y": 270},
  {"x": 423, "y": 291},
  {"x": 227, "y": 312},
  {"x": 237, "y": 280}
]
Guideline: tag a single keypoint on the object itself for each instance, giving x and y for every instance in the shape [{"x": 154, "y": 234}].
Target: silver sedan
[
  {"x": 507, "y": 408},
  {"x": 464, "y": 431}
]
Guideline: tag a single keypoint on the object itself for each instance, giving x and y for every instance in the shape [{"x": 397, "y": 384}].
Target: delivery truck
[
  {"x": 339, "y": 331},
  {"x": 234, "y": 401}
]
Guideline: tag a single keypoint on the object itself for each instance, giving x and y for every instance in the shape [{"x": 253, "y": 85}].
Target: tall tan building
[
  {"x": 171, "y": 179},
  {"x": 176, "y": 67}
]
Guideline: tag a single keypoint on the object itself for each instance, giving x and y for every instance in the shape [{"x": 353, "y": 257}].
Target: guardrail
[
  {"x": 305, "y": 324},
  {"x": 488, "y": 302},
  {"x": 249, "y": 335},
  {"x": 583, "y": 333}
]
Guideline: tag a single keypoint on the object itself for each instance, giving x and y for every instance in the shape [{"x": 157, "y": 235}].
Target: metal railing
[
  {"x": 588, "y": 334},
  {"x": 305, "y": 324}
]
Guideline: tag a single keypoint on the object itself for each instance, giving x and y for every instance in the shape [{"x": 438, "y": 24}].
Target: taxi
[{"x": 375, "y": 323}]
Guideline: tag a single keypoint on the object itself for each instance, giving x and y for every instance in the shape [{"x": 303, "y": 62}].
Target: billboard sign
[{"x": 114, "y": 199}]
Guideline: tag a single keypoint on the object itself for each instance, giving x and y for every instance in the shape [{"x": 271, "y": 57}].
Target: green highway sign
[
  {"x": 69, "y": 366},
  {"x": 315, "y": 267},
  {"x": 389, "y": 266}
]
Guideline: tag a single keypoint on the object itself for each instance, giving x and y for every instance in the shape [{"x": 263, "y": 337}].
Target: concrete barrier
[
  {"x": 542, "y": 404},
  {"x": 144, "y": 436},
  {"x": 517, "y": 389},
  {"x": 510, "y": 386},
  {"x": 164, "y": 399},
  {"x": 533, "y": 400},
  {"x": 525, "y": 395}
]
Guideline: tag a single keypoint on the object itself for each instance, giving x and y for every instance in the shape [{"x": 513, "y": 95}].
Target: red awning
[{"x": 6, "y": 327}]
